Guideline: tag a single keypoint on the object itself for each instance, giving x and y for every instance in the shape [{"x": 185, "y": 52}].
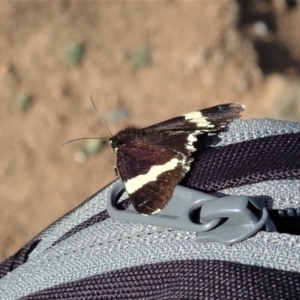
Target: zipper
[
  {"x": 286, "y": 220},
  {"x": 226, "y": 220}
]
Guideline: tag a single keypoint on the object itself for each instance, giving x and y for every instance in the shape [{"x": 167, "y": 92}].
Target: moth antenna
[
  {"x": 100, "y": 116},
  {"x": 88, "y": 138}
]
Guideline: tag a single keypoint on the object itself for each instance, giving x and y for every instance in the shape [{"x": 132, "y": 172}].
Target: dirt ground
[{"x": 143, "y": 62}]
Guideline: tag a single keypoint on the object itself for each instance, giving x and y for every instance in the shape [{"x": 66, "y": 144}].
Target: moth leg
[{"x": 116, "y": 171}]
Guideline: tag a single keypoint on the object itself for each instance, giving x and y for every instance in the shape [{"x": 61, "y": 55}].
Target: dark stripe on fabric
[
  {"x": 103, "y": 215},
  {"x": 268, "y": 158},
  {"x": 185, "y": 279},
  {"x": 17, "y": 259}
]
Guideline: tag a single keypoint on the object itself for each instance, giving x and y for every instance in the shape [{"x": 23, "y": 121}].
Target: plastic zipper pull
[
  {"x": 242, "y": 218},
  {"x": 226, "y": 220}
]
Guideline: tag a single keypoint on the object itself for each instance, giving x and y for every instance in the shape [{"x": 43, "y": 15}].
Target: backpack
[{"x": 249, "y": 184}]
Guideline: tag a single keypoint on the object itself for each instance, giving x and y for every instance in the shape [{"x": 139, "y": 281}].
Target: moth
[{"x": 151, "y": 161}]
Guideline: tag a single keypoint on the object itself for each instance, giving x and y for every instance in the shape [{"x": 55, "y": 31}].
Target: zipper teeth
[{"x": 287, "y": 213}]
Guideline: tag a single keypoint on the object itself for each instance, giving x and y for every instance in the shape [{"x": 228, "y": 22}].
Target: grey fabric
[
  {"x": 111, "y": 245},
  {"x": 276, "y": 194},
  {"x": 243, "y": 130},
  {"x": 87, "y": 209}
]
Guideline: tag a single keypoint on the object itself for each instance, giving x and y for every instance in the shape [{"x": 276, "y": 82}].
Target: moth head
[{"x": 112, "y": 141}]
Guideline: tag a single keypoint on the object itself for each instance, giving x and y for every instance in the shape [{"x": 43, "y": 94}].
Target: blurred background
[{"x": 143, "y": 62}]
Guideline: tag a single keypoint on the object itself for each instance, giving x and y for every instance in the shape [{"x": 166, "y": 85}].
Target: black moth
[{"x": 151, "y": 161}]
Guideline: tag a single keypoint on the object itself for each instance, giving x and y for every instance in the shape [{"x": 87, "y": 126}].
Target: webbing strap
[
  {"x": 184, "y": 279},
  {"x": 261, "y": 159}
]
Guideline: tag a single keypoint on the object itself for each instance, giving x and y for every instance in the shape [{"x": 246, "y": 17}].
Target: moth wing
[
  {"x": 154, "y": 195},
  {"x": 150, "y": 171},
  {"x": 206, "y": 120}
]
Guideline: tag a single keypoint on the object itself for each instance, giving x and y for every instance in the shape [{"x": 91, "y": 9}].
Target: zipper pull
[
  {"x": 227, "y": 220},
  {"x": 242, "y": 218}
]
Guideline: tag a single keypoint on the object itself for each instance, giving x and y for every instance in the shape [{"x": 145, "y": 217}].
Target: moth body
[{"x": 151, "y": 161}]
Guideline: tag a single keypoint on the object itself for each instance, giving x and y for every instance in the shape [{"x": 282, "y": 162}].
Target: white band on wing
[{"x": 139, "y": 181}]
